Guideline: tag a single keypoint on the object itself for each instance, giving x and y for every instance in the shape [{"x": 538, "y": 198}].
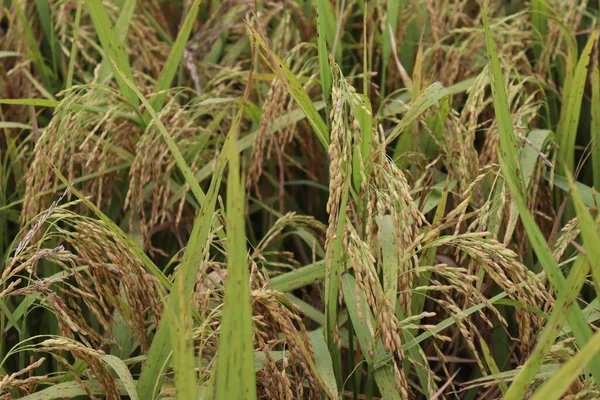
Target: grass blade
[
  {"x": 123, "y": 372},
  {"x": 564, "y": 302},
  {"x": 530, "y": 154},
  {"x": 45, "y": 15},
  {"x": 76, "y": 24},
  {"x": 389, "y": 29},
  {"x": 372, "y": 350},
  {"x": 151, "y": 376},
  {"x": 595, "y": 128},
  {"x": 334, "y": 265},
  {"x": 293, "y": 86},
  {"x": 184, "y": 364},
  {"x": 113, "y": 48},
  {"x": 299, "y": 278},
  {"x": 588, "y": 195},
  {"x": 322, "y": 22},
  {"x": 121, "y": 29},
  {"x": 360, "y": 106},
  {"x": 589, "y": 232},
  {"x": 508, "y": 142},
  {"x": 181, "y": 164},
  {"x": 540, "y": 23},
  {"x": 32, "y": 48},
  {"x": 511, "y": 170},
  {"x": 581, "y": 328},
  {"x": 323, "y": 361},
  {"x": 491, "y": 363},
  {"x": 428, "y": 98},
  {"x": 168, "y": 72},
  {"x": 556, "y": 386},
  {"x": 68, "y": 390},
  {"x": 389, "y": 252},
  {"x": 235, "y": 365},
  {"x": 568, "y": 133}
]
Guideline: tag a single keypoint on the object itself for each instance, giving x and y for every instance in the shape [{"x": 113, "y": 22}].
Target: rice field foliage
[{"x": 342, "y": 199}]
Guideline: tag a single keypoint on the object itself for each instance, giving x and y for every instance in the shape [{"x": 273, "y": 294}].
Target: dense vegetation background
[{"x": 299, "y": 199}]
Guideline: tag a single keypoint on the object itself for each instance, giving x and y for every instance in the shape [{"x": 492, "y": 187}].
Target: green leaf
[
  {"x": 509, "y": 163},
  {"x": 559, "y": 383},
  {"x": 595, "y": 123},
  {"x": 334, "y": 262},
  {"x": 123, "y": 372},
  {"x": 489, "y": 359},
  {"x": 589, "y": 232},
  {"x": 113, "y": 48},
  {"x": 151, "y": 376},
  {"x": 293, "y": 87},
  {"x": 8, "y": 53},
  {"x": 508, "y": 141},
  {"x": 389, "y": 252},
  {"x": 360, "y": 106},
  {"x": 14, "y": 125},
  {"x": 540, "y": 23},
  {"x": 388, "y": 30},
  {"x": 372, "y": 349},
  {"x": 322, "y": 22},
  {"x": 435, "y": 196},
  {"x": 45, "y": 14},
  {"x": 428, "y": 98},
  {"x": 567, "y": 132},
  {"x": 323, "y": 360},
  {"x": 530, "y": 154},
  {"x": 564, "y": 302},
  {"x": 330, "y": 28},
  {"x": 71, "y": 389},
  {"x": 71, "y": 106},
  {"x": 299, "y": 278},
  {"x": 184, "y": 364},
  {"x": 121, "y": 28},
  {"x": 170, "y": 68},
  {"x": 73, "y": 57},
  {"x": 31, "y": 45},
  {"x": 235, "y": 364},
  {"x": 588, "y": 195}
]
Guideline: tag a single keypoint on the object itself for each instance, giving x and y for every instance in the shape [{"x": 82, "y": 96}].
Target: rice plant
[{"x": 339, "y": 199}]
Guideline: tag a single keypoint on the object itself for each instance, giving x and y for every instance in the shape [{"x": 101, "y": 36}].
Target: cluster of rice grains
[
  {"x": 469, "y": 255},
  {"x": 99, "y": 285},
  {"x": 384, "y": 194},
  {"x": 280, "y": 335},
  {"x": 104, "y": 280}
]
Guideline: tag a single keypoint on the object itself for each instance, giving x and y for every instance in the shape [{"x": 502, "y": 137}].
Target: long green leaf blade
[
  {"x": 556, "y": 386},
  {"x": 564, "y": 302},
  {"x": 595, "y": 131},
  {"x": 112, "y": 47},
  {"x": 508, "y": 142},
  {"x": 428, "y": 98},
  {"x": 567, "y": 135},
  {"x": 184, "y": 168},
  {"x": 168, "y": 72},
  {"x": 235, "y": 365},
  {"x": 322, "y": 22},
  {"x": 160, "y": 347},
  {"x": 293, "y": 86}
]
